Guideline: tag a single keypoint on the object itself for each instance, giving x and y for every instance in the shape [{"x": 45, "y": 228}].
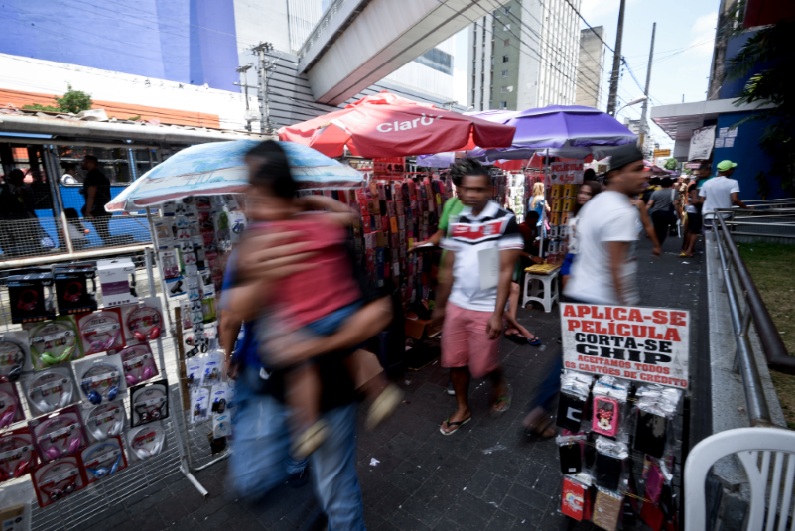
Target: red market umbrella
[{"x": 386, "y": 125}]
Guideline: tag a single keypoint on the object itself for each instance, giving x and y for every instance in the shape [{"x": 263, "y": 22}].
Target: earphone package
[
  {"x": 149, "y": 403},
  {"x": 200, "y": 402},
  {"x": 139, "y": 363},
  {"x": 49, "y": 390},
  {"x": 105, "y": 420},
  {"x": 18, "y": 451},
  {"x": 147, "y": 441},
  {"x": 11, "y": 410},
  {"x": 213, "y": 364},
  {"x": 143, "y": 321},
  {"x": 100, "y": 378},
  {"x": 31, "y": 295},
  {"x": 59, "y": 435},
  {"x": 75, "y": 286},
  {"x": 54, "y": 342},
  {"x": 101, "y": 331},
  {"x": 14, "y": 355},
  {"x": 103, "y": 459},
  {"x": 57, "y": 480}
]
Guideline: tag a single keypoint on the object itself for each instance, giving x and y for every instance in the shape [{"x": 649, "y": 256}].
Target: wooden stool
[{"x": 541, "y": 287}]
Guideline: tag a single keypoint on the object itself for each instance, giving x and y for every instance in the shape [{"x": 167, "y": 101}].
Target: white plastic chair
[{"x": 761, "y": 451}]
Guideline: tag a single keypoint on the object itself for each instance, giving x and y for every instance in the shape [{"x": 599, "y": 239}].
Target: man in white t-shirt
[
  {"x": 483, "y": 244},
  {"x": 607, "y": 232},
  {"x": 720, "y": 192}
]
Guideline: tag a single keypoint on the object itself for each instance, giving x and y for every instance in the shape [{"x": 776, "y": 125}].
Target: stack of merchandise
[
  {"x": 69, "y": 376},
  {"x": 617, "y": 451}
]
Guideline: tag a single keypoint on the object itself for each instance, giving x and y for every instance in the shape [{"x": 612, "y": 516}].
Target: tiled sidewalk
[{"x": 487, "y": 476}]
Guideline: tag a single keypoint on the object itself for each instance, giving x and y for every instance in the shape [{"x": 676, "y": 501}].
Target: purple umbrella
[{"x": 573, "y": 130}]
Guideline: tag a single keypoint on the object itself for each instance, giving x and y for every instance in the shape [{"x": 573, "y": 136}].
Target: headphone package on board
[
  {"x": 75, "y": 286},
  {"x": 146, "y": 441},
  {"x": 101, "y": 331},
  {"x": 105, "y": 420},
  {"x": 11, "y": 409},
  {"x": 149, "y": 403},
  {"x": 103, "y": 459},
  {"x": 14, "y": 355},
  {"x": 101, "y": 378},
  {"x": 19, "y": 453},
  {"x": 59, "y": 435},
  {"x": 30, "y": 295},
  {"x": 57, "y": 480},
  {"x": 49, "y": 390},
  {"x": 54, "y": 342}
]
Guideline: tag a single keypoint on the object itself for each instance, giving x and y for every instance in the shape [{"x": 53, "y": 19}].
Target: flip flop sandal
[
  {"x": 502, "y": 404},
  {"x": 455, "y": 425},
  {"x": 516, "y": 338},
  {"x": 542, "y": 429},
  {"x": 535, "y": 341}
]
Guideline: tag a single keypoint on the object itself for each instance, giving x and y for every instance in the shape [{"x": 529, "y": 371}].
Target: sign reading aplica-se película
[{"x": 643, "y": 344}]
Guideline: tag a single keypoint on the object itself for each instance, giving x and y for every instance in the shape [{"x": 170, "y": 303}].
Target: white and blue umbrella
[{"x": 218, "y": 168}]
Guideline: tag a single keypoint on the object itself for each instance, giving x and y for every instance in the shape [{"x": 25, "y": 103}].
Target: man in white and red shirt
[{"x": 483, "y": 244}]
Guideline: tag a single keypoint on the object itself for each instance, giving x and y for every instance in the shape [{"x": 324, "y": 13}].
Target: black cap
[{"x": 623, "y": 155}]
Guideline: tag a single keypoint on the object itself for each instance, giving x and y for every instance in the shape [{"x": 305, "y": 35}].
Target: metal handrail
[
  {"x": 775, "y": 351},
  {"x": 772, "y": 346}
]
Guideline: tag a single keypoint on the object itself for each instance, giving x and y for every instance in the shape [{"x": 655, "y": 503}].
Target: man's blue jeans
[{"x": 261, "y": 460}]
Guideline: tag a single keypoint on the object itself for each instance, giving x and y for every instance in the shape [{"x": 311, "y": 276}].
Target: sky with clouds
[{"x": 682, "y": 51}]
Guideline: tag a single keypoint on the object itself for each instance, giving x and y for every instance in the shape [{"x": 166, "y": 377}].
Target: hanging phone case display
[
  {"x": 103, "y": 459},
  {"x": 100, "y": 378},
  {"x": 49, "y": 390},
  {"x": 57, "y": 480},
  {"x": 14, "y": 353},
  {"x": 139, "y": 363},
  {"x": 31, "y": 296},
  {"x": 101, "y": 331},
  {"x": 146, "y": 441},
  {"x": 17, "y": 453},
  {"x": 75, "y": 285},
  {"x": 59, "y": 435},
  {"x": 54, "y": 342},
  {"x": 614, "y": 434},
  {"x": 143, "y": 321},
  {"x": 148, "y": 403},
  {"x": 11, "y": 410},
  {"x": 105, "y": 420}
]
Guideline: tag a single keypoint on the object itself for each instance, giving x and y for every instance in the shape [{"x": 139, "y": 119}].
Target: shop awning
[{"x": 680, "y": 119}]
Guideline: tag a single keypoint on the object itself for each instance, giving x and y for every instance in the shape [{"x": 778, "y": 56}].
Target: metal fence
[
  {"x": 746, "y": 306},
  {"x": 42, "y": 240}
]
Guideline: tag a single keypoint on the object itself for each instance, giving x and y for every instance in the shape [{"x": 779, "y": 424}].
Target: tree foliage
[
  {"x": 670, "y": 164},
  {"x": 72, "y": 101},
  {"x": 768, "y": 58}
]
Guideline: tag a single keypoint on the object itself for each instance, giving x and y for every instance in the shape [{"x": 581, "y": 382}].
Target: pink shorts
[{"x": 465, "y": 342}]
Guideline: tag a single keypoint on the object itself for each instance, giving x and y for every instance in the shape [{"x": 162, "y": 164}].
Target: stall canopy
[
  {"x": 218, "y": 168},
  {"x": 386, "y": 125},
  {"x": 571, "y": 131}
]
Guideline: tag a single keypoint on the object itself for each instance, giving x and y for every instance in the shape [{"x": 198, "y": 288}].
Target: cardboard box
[{"x": 114, "y": 279}]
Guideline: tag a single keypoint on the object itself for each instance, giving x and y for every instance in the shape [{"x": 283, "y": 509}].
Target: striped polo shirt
[{"x": 468, "y": 237}]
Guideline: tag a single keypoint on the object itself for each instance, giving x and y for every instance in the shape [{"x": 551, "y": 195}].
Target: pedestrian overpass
[{"x": 358, "y": 42}]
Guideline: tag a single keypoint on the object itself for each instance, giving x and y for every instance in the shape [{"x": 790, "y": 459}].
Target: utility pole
[
  {"x": 644, "y": 128},
  {"x": 244, "y": 83},
  {"x": 613, "y": 91},
  {"x": 262, "y": 68}
]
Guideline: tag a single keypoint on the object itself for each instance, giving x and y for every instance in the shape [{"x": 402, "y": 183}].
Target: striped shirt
[{"x": 472, "y": 238}]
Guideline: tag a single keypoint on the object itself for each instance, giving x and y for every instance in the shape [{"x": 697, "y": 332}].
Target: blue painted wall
[
  {"x": 749, "y": 157},
  {"x": 189, "y": 41}
]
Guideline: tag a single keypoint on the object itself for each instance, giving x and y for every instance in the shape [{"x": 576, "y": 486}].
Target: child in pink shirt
[{"x": 315, "y": 301}]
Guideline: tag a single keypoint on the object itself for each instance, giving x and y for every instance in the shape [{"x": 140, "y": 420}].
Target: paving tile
[{"x": 500, "y": 521}]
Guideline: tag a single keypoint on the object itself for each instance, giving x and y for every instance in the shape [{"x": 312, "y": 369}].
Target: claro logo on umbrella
[{"x": 425, "y": 120}]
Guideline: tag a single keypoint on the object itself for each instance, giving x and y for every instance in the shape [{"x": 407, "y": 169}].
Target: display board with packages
[
  {"x": 79, "y": 342},
  {"x": 619, "y": 411}
]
